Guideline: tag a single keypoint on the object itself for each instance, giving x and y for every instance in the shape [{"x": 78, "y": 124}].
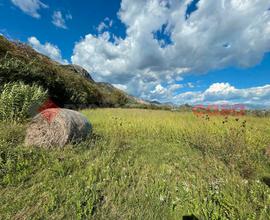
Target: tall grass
[
  {"x": 18, "y": 101},
  {"x": 141, "y": 164}
]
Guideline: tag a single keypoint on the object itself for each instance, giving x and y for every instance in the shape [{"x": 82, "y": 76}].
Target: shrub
[
  {"x": 63, "y": 85},
  {"x": 18, "y": 99}
]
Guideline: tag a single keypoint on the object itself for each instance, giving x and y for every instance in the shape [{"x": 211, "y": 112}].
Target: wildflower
[
  {"x": 161, "y": 198},
  {"x": 245, "y": 181},
  {"x": 186, "y": 186}
]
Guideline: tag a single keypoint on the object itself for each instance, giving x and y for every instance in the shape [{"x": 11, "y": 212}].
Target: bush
[
  {"x": 18, "y": 99},
  {"x": 63, "y": 85}
]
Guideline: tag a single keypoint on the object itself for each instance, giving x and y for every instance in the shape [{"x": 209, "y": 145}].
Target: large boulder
[{"x": 56, "y": 127}]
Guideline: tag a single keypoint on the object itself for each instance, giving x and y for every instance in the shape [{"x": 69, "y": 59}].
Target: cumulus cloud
[
  {"x": 217, "y": 35},
  {"x": 47, "y": 49},
  {"x": 164, "y": 93},
  {"x": 219, "y": 93},
  {"x": 59, "y": 20},
  {"x": 30, "y": 7},
  {"x": 159, "y": 90}
]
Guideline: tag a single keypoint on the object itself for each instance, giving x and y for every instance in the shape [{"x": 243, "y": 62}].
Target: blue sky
[
  {"x": 180, "y": 51},
  {"x": 85, "y": 19}
]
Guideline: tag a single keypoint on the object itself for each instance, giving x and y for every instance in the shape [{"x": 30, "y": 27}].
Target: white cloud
[
  {"x": 69, "y": 16},
  {"x": 164, "y": 93},
  {"x": 5, "y": 33},
  {"x": 219, "y": 93},
  {"x": 159, "y": 90},
  {"x": 120, "y": 86},
  {"x": 59, "y": 20},
  {"x": 190, "y": 85},
  {"x": 47, "y": 49},
  {"x": 104, "y": 25},
  {"x": 219, "y": 34},
  {"x": 30, "y": 7}
]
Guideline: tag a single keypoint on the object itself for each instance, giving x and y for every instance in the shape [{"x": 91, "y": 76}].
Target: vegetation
[
  {"x": 138, "y": 163},
  {"x": 19, "y": 62},
  {"x": 141, "y": 164},
  {"x": 19, "y": 101}
]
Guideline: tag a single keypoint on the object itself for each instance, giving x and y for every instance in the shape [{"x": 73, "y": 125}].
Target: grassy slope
[
  {"x": 19, "y": 62},
  {"x": 141, "y": 164}
]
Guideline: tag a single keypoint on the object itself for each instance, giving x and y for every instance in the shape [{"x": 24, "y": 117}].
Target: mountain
[
  {"x": 155, "y": 102},
  {"x": 66, "y": 84},
  {"x": 79, "y": 70}
]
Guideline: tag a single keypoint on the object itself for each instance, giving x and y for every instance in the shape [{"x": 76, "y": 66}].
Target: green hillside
[{"x": 67, "y": 84}]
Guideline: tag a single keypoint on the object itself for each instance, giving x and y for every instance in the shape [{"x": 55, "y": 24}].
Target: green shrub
[
  {"x": 63, "y": 85},
  {"x": 18, "y": 99}
]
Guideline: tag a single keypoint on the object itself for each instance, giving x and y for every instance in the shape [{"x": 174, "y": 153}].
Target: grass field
[{"x": 141, "y": 164}]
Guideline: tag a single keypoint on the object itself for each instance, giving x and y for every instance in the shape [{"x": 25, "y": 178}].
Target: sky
[{"x": 178, "y": 51}]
